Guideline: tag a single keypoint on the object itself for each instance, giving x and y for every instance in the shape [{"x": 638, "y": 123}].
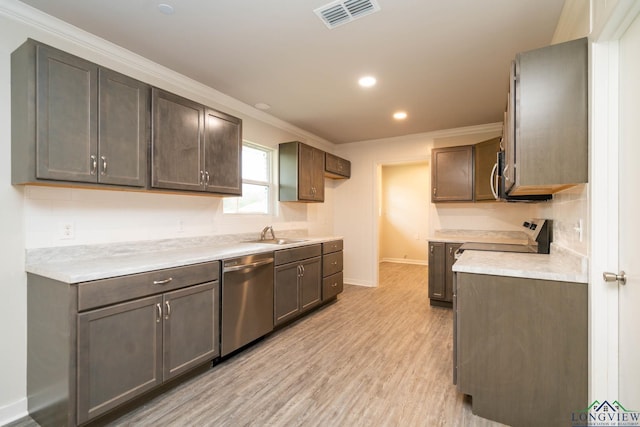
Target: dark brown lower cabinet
[
  {"x": 297, "y": 281},
  {"x": 522, "y": 348},
  {"x": 93, "y": 346},
  {"x": 441, "y": 259},
  {"x": 332, "y": 265}
]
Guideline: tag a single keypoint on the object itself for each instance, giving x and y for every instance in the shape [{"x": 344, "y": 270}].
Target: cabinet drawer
[
  {"x": 333, "y": 246},
  {"x": 332, "y": 286},
  {"x": 109, "y": 291},
  {"x": 331, "y": 263},
  {"x": 285, "y": 256}
]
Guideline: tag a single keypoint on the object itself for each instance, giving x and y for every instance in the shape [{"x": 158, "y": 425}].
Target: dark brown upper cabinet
[
  {"x": 485, "y": 157},
  {"x": 452, "y": 174},
  {"x": 336, "y": 167},
  {"x": 194, "y": 147},
  {"x": 74, "y": 121},
  {"x": 301, "y": 172},
  {"x": 546, "y": 138}
]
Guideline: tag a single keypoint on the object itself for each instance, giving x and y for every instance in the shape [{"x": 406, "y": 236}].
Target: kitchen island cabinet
[
  {"x": 96, "y": 345},
  {"x": 520, "y": 348},
  {"x": 74, "y": 121}
]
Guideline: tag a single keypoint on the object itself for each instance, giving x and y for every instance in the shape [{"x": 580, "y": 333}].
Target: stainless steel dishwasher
[{"x": 247, "y": 300}]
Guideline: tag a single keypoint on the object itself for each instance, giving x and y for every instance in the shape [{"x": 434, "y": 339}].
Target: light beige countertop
[
  {"x": 480, "y": 236},
  {"x": 75, "y": 264},
  {"x": 560, "y": 265}
]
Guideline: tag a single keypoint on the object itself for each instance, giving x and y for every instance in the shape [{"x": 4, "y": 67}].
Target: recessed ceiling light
[
  {"x": 400, "y": 115},
  {"x": 262, "y": 106},
  {"x": 167, "y": 9},
  {"x": 367, "y": 81}
]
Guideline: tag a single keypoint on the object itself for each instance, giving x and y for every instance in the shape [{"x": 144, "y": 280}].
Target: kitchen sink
[{"x": 277, "y": 241}]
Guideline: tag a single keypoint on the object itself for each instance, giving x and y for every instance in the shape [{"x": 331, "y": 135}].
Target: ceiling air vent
[{"x": 338, "y": 13}]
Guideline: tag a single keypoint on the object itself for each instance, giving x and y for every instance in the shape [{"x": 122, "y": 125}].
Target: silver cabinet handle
[
  {"x": 206, "y": 178},
  {"x": 434, "y": 191},
  {"x": 431, "y": 248},
  {"x": 302, "y": 266},
  {"x": 162, "y": 282},
  {"x": 621, "y": 278},
  {"x": 299, "y": 270},
  {"x": 158, "y": 313},
  {"x": 334, "y": 263},
  {"x": 104, "y": 165},
  {"x": 94, "y": 164},
  {"x": 201, "y": 177},
  {"x": 168, "y": 312},
  {"x": 451, "y": 250},
  {"x": 335, "y": 285}
]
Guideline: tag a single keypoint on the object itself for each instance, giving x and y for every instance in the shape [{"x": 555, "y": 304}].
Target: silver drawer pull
[
  {"x": 335, "y": 285},
  {"x": 162, "y": 282},
  {"x": 159, "y": 313},
  {"x": 334, "y": 263}
]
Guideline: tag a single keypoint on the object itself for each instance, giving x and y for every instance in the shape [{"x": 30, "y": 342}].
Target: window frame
[{"x": 270, "y": 184}]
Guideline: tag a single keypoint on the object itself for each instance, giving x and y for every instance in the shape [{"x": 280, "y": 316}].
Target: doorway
[{"x": 403, "y": 213}]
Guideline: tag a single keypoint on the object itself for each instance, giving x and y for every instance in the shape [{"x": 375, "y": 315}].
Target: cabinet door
[
  {"x": 336, "y": 167},
  {"x": 191, "y": 331},
  {"x": 119, "y": 354},
  {"x": 124, "y": 130},
  {"x": 223, "y": 153},
  {"x": 286, "y": 292},
  {"x": 310, "y": 173},
  {"x": 551, "y": 119},
  {"x": 437, "y": 276},
  {"x": 66, "y": 99},
  {"x": 485, "y": 158},
  {"x": 177, "y": 161},
  {"x": 310, "y": 283},
  {"x": 450, "y": 249},
  {"x": 452, "y": 174}
]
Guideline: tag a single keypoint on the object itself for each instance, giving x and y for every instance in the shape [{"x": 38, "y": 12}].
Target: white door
[{"x": 629, "y": 217}]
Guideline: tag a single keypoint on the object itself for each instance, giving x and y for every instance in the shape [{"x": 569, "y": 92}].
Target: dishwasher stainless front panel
[{"x": 247, "y": 300}]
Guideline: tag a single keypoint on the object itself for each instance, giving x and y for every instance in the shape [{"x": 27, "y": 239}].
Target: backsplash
[
  {"x": 98, "y": 216},
  {"x": 567, "y": 209}
]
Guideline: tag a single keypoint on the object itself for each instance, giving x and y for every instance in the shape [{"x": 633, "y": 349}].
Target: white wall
[
  {"x": 404, "y": 213},
  {"x": 30, "y": 216}
]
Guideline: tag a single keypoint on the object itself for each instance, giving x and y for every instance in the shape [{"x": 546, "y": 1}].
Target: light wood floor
[{"x": 378, "y": 357}]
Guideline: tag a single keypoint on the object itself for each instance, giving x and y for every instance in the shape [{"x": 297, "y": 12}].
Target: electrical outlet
[{"x": 66, "y": 231}]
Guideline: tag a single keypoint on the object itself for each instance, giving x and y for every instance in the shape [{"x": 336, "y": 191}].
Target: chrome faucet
[{"x": 263, "y": 234}]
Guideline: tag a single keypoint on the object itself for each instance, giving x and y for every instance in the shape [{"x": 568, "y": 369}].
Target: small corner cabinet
[
  {"x": 207, "y": 143},
  {"x": 301, "y": 171},
  {"x": 74, "y": 121},
  {"x": 452, "y": 174}
]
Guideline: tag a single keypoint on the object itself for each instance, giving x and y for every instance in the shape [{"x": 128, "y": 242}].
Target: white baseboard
[
  {"x": 406, "y": 261},
  {"x": 13, "y": 411},
  {"x": 348, "y": 281}
]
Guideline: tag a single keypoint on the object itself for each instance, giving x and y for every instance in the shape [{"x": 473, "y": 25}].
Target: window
[{"x": 256, "y": 182}]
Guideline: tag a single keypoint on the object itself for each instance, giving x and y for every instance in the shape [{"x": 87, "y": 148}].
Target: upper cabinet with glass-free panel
[
  {"x": 548, "y": 149},
  {"x": 301, "y": 172},
  {"x": 194, "y": 147},
  {"x": 74, "y": 121}
]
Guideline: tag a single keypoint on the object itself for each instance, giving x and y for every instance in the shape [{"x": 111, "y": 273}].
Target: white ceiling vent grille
[{"x": 341, "y": 12}]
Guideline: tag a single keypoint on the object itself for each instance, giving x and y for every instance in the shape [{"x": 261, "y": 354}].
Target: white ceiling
[{"x": 445, "y": 62}]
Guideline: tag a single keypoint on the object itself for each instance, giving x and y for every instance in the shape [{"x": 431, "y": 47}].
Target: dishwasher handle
[{"x": 248, "y": 266}]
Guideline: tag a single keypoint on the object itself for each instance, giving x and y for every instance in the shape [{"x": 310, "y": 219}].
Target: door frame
[{"x": 603, "y": 158}]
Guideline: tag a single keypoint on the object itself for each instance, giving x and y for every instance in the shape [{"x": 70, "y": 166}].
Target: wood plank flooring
[{"x": 377, "y": 357}]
